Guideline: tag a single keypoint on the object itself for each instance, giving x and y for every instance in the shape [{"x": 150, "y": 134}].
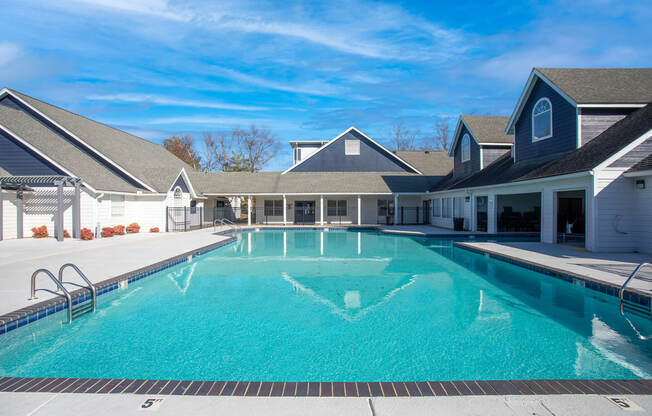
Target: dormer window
[
  {"x": 542, "y": 120},
  {"x": 352, "y": 147},
  {"x": 466, "y": 148}
]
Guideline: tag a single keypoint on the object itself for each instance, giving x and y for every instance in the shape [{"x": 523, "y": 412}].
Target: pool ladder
[
  {"x": 628, "y": 305},
  {"x": 74, "y": 311}
]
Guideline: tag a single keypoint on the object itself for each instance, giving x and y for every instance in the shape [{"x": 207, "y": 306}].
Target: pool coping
[
  {"x": 633, "y": 295},
  {"x": 21, "y": 317},
  {"x": 326, "y": 389}
]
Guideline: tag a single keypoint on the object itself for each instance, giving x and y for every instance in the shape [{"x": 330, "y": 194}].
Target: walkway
[
  {"x": 98, "y": 259},
  {"x": 18, "y": 404},
  {"x": 609, "y": 268}
]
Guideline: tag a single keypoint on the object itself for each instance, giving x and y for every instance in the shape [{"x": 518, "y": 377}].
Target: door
[
  {"x": 481, "y": 213},
  {"x": 426, "y": 212},
  {"x": 304, "y": 212}
]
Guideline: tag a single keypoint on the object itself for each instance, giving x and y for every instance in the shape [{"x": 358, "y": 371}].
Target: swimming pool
[{"x": 311, "y": 305}]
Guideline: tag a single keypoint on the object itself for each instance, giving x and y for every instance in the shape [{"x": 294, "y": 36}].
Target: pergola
[{"x": 24, "y": 183}]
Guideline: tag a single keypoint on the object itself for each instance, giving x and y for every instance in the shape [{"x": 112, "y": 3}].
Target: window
[
  {"x": 273, "y": 208},
  {"x": 447, "y": 207},
  {"x": 436, "y": 207},
  {"x": 542, "y": 120},
  {"x": 458, "y": 207},
  {"x": 385, "y": 207},
  {"x": 336, "y": 208},
  {"x": 352, "y": 147},
  {"x": 466, "y": 148},
  {"x": 117, "y": 205}
]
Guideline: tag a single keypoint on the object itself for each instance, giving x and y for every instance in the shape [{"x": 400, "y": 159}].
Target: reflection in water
[{"x": 182, "y": 277}]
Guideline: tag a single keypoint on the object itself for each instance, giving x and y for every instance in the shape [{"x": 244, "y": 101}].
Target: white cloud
[
  {"x": 171, "y": 101},
  {"x": 9, "y": 52}
]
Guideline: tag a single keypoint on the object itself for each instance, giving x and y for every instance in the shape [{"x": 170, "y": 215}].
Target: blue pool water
[{"x": 339, "y": 306}]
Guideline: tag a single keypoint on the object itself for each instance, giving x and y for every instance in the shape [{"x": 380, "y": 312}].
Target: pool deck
[
  {"x": 29, "y": 404},
  {"x": 611, "y": 269},
  {"x": 98, "y": 259}
]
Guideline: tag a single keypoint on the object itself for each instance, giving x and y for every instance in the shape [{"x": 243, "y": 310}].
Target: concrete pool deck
[
  {"x": 34, "y": 404},
  {"x": 611, "y": 269},
  {"x": 98, "y": 259}
]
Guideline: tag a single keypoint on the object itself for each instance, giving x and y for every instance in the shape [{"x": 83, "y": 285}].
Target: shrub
[
  {"x": 153, "y": 230},
  {"x": 119, "y": 229},
  {"x": 66, "y": 234},
  {"x": 133, "y": 228},
  {"x": 107, "y": 232},
  {"x": 86, "y": 234},
  {"x": 40, "y": 232}
]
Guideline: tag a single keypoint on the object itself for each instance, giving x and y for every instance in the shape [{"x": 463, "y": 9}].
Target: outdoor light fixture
[{"x": 640, "y": 183}]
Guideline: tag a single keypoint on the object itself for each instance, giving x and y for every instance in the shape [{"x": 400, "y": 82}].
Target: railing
[
  {"x": 233, "y": 226},
  {"x": 90, "y": 286},
  {"x": 65, "y": 292},
  {"x": 184, "y": 218},
  {"x": 621, "y": 292}
]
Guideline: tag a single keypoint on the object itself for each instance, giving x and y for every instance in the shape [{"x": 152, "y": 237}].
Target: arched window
[
  {"x": 178, "y": 195},
  {"x": 466, "y": 148},
  {"x": 542, "y": 120}
]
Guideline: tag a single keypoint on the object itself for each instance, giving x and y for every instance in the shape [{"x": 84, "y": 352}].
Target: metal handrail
[
  {"x": 66, "y": 294},
  {"x": 621, "y": 292},
  {"x": 90, "y": 286},
  {"x": 226, "y": 222}
]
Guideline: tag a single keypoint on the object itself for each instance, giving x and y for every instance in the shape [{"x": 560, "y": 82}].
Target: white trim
[
  {"x": 611, "y": 105},
  {"x": 6, "y": 91},
  {"x": 526, "y": 182},
  {"x": 525, "y": 94},
  {"x": 186, "y": 179},
  {"x": 466, "y": 136},
  {"x": 538, "y": 139},
  {"x": 131, "y": 193},
  {"x": 638, "y": 174},
  {"x": 334, "y": 193},
  {"x": 44, "y": 156},
  {"x": 457, "y": 132},
  {"x": 352, "y": 128},
  {"x": 497, "y": 144},
  {"x": 578, "y": 117},
  {"x": 624, "y": 150},
  {"x": 481, "y": 161}
]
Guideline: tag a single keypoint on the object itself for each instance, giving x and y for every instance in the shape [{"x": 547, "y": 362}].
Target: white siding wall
[
  {"x": 643, "y": 229},
  {"x": 8, "y": 214},
  {"x": 146, "y": 210},
  {"x": 614, "y": 203}
]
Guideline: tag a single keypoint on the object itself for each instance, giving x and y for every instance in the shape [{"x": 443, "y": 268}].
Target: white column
[
  {"x": 396, "y": 213},
  {"x": 249, "y": 210},
  {"x": 321, "y": 210},
  {"x": 548, "y": 216},
  {"x": 359, "y": 210},
  {"x": 285, "y": 210},
  {"x": 492, "y": 202}
]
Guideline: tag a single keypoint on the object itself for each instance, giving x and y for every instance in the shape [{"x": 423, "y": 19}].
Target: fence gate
[{"x": 183, "y": 218}]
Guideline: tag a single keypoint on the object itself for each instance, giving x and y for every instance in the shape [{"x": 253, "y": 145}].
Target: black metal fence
[
  {"x": 184, "y": 218},
  {"x": 413, "y": 216}
]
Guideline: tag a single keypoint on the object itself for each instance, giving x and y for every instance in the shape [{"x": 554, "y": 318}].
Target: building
[{"x": 572, "y": 163}]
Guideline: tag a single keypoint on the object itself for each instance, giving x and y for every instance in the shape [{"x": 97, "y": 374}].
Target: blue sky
[{"x": 305, "y": 70}]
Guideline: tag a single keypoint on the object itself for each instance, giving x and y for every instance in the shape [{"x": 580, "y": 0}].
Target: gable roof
[
  {"x": 146, "y": 162},
  {"x": 339, "y": 136},
  {"x": 429, "y": 162},
  {"x": 602, "y": 87},
  {"x": 484, "y": 129},
  {"x": 591, "y": 155}
]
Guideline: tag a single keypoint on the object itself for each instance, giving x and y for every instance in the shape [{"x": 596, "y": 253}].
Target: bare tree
[
  {"x": 403, "y": 138},
  {"x": 441, "y": 138},
  {"x": 239, "y": 150},
  {"x": 184, "y": 148}
]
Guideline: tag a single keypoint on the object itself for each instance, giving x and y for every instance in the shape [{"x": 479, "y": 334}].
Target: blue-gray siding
[
  {"x": 371, "y": 158},
  {"x": 491, "y": 153},
  {"x": 181, "y": 184},
  {"x": 634, "y": 156},
  {"x": 19, "y": 160},
  {"x": 472, "y": 165},
  {"x": 597, "y": 120},
  {"x": 564, "y": 126}
]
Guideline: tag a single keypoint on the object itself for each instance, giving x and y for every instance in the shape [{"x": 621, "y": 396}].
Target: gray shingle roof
[
  {"x": 645, "y": 164},
  {"x": 603, "y": 85},
  {"x": 145, "y": 160},
  {"x": 428, "y": 162},
  {"x": 489, "y": 129},
  {"x": 587, "y": 157},
  {"x": 242, "y": 183}
]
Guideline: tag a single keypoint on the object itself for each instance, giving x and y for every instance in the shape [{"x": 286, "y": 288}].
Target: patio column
[
  {"x": 548, "y": 216},
  {"x": 359, "y": 211},
  {"x": 19, "y": 212},
  {"x": 1, "y": 216},
  {"x": 395, "y": 209},
  {"x": 58, "y": 223},
  {"x": 285, "y": 211},
  {"x": 321, "y": 211},
  {"x": 76, "y": 212},
  {"x": 249, "y": 210},
  {"x": 492, "y": 225}
]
